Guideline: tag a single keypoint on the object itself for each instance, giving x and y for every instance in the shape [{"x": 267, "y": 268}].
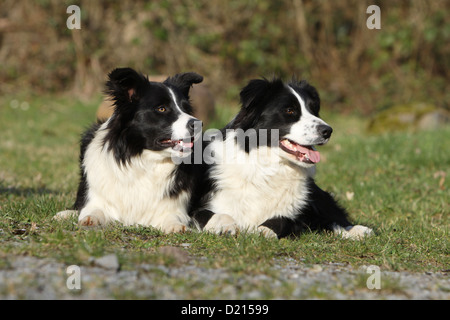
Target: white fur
[
  {"x": 266, "y": 182},
  {"x": 252, "y": 187},
  {"x": 304, "y": 132},
  {"x": 66, "y": 214},
  {"x": 221, "y": 224},
  {"x": 179, "y": 127},
  {"x": 136, "y": 193},
  {"x": 356, "y": 232},
  {"x": 266, "y": 232}
]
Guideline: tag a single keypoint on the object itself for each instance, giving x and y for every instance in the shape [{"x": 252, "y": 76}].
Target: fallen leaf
[{"x": 442, "y": 175}]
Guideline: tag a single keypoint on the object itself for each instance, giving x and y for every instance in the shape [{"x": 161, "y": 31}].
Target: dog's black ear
[
  {"x": 253, "y": 95},
  {"x": 259, "y": 90},
  {"x": 184, "y": 81},
  {"x": 253, "y": 92},
  {"x": 123, "y": 84},
  {"x": 250, "y": 96}
]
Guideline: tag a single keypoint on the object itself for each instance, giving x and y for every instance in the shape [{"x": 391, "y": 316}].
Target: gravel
[{"x": 24, "y": 277}]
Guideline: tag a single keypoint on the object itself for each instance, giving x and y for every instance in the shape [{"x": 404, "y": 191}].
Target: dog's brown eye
[
  {"x": 290, "y": 111},
  {"x": 161, "y": 109}
]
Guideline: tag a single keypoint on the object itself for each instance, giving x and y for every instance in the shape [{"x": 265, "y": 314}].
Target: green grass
[{"x": 397, "y": 184}]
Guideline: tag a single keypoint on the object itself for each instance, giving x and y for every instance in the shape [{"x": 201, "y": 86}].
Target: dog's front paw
[
  {"x": 90, "y": 221},
  {"x": 66, "y": 214},
  {"x": 175, "y": 228},
  {"x": 266, "y": 232},
  {"x": 91, "y": 218},
  {"x": 221, "y": 224},
  {"x": 357, "y": 232}
]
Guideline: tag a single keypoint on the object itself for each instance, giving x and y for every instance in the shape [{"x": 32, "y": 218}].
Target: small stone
[
  {"x": 179, "y": 255},
  {"x": 316, "y": 269},
  {"x": 110, "y": 262}
]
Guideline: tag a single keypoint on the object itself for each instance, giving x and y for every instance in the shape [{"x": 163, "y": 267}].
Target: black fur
[
  {"x": 320, "y": 213},
  {"x": 136, "y": 125},
  {"x": 263, "y": 102}
]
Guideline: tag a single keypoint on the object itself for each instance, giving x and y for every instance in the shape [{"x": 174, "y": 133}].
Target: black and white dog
[
  {"x": 260, "y": 172},
  {"x": 128, "y": 172}
]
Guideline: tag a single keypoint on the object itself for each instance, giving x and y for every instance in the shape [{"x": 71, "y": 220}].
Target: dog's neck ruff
[
  {"x": 259, "y": 188},
  {"x": 134, "y": 193}
]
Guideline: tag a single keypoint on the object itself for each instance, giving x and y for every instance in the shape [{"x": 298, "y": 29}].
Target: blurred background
[
  {"x": 355, "y": 69},
  {"x": 371, "y": 82}
]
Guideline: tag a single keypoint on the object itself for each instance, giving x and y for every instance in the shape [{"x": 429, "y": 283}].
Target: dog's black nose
[
  {"x": 325, "y": 131},
  {"x": 191, "y": 124}
]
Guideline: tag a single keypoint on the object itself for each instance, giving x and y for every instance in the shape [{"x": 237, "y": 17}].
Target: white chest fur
[
  {"x": 261, "y": 187},
  {"x": 136, "y": 193}
]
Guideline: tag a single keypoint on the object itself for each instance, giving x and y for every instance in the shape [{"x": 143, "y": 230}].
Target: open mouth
[
  {"x": 178, "y": 145},
  {"x": 306, "y": 154}
]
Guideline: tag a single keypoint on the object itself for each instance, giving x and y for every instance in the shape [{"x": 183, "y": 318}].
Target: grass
[{"x": 396, "y": 184}]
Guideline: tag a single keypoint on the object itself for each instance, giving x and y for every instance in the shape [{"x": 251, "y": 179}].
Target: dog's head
[
  {"x": 292, "y": 110},
  {"x": 150, "y": 115}
]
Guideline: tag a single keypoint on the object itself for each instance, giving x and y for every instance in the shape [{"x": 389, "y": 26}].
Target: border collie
[
  {"x": 261, "y": 169},
  {"x": 128, "y": 172}
]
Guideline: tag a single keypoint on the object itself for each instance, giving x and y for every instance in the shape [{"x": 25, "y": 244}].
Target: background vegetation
[
  {"x": 230, "y": 42},
  {"x": 50, "y": 85}
]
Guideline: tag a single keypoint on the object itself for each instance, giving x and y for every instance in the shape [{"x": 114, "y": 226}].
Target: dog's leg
[
  {"x": 280, "y": 227},
  {"x": 66, "y": 214},
  {"x": 91, "y": 218},
  {"x": 266, "y": 232},
  {"x": 334, "y": 218},
  {"x": 321, "y": 212},
  {"x": 221, "y": 224},
  {"x": 356, "y": 232},
  {"x": 175, "y": 227}
]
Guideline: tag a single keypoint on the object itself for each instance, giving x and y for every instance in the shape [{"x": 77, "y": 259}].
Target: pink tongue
[
  {"x": 186, "y": 144},
  {"x": 313, "y": 155}
]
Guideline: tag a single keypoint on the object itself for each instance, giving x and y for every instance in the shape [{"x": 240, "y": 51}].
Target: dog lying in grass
[
  {"x": 260, "y": 175},
  {"x": 128, "y": 172}
]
